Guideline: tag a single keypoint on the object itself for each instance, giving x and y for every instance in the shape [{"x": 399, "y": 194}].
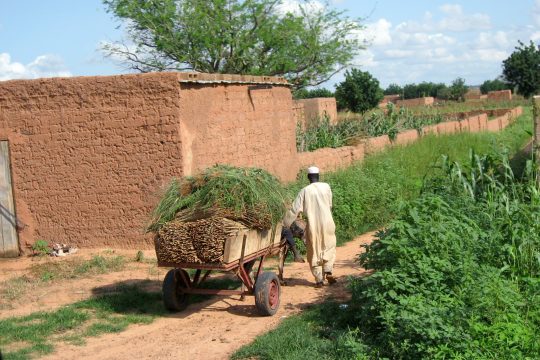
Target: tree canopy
[
  {"x": 359, "y": 92},
  {"x": 494, "y": 85},
  {"x": 254, "y": 37},
  {"x": 522, "y": 69}
]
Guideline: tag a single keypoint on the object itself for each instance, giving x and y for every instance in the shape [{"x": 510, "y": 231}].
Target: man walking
[{"x": 315, "y": 201}]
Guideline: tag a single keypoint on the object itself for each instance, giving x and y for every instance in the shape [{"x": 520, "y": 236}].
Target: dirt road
[{"x": 214, "y": 329}]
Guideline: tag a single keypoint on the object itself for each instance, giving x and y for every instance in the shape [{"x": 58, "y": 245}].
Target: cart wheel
[
  {"x": 267, "y": 293},
  {"x": 173, "y": 296}
]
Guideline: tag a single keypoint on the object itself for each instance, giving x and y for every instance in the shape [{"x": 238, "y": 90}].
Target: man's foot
[
  {"x": 319, "y": 284},
  {"x": 299, "y": 259},
  {"x": 330, "y": 278}
]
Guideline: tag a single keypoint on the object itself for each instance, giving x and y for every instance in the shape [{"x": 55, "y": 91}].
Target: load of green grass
[{"x": 250, "y": 196}]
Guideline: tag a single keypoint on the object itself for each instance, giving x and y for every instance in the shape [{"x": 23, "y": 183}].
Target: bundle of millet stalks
[{"x": 197, "y": 214}]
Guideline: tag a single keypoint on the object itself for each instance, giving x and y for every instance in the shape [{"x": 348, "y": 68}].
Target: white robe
[{"x": 315, "y": 201}]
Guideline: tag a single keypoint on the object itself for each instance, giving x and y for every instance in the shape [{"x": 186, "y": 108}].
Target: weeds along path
[{"x": 215, "y": 328}]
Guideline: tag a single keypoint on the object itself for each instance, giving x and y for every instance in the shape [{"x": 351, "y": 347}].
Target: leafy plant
[
  {"x": 522, "y": 69},
  {"x": 41, "y": 248},
  {"x": 359, "y": 92}
]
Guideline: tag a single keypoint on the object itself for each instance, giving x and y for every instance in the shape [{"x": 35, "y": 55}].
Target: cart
[{"x": 178, "y": 285}]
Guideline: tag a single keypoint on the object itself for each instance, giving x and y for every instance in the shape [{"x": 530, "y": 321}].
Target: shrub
[
  {"x": 359, "y": 92},
  {"x": 456, "y": 273},
  {"x": 41, "y": 248}
]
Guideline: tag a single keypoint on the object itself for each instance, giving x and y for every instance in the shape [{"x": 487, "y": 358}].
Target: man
[{"x": 315, "y": 201}]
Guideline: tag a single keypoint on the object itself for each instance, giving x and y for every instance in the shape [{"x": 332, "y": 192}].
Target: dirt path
[{"x": 214, "y": 329}]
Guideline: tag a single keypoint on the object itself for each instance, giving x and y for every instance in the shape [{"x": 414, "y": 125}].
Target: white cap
[{"x": 313, "y": 170}]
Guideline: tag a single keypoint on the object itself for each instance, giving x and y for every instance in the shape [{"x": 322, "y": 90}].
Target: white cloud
[
  {"x": 377, "y": 33},
  {"x": 295, "y": 7},
  {"x": 42, "y": 66},
  {"x": 457, "y": 20}
]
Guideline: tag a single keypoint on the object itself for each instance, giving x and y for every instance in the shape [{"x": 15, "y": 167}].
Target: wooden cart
[{"x": 241, "y": 254}]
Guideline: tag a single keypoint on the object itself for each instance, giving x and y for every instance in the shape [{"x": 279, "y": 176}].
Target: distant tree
[
  {"x": 359, "y": 92},
  {"x": 458, "y": 89},
  {"x": 393, "y": 89},
  {"x": 410, "y": 91},
  {"x": 494, "y": 85},
  {"x": 444, "y": 94},
  {"x": 314, "y": 93},
  {"x": 522, "y": 69},
  {"x": 254, "y": 37}
]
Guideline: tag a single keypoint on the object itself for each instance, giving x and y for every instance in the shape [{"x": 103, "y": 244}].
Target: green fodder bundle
[
  {"x": 197, "y": 214},
  {"x": 250, "y": 196}
]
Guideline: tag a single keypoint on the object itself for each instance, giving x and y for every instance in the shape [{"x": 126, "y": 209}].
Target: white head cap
[{"x": 313, "y": 170}]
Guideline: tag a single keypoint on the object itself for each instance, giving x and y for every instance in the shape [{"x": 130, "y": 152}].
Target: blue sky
[{"x": 411, "y": 41}]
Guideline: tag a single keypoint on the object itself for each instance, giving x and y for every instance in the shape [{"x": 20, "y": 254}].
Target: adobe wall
[
  {"x": 500, "y": 95},
  {"x": 329, "y": 159},
  {"x": 233, "y": 124},
  {"x": 299, "y": 112},
  {"x": 318, "y": 107},
  {"x": 87, "y": 155},
  {"x": 423, "y": 101}
]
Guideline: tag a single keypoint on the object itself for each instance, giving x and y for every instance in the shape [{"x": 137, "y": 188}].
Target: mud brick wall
[
  {"x": 500, "y": 95},
  {"x": 87, "y": 154},
  {"x": 329, "y": 159},
  {"x": 424, "y": 101},
  {"x": 231, "y": 124},
  {"x": 90, "y": 154},
  {"x": 299, "y": 112},
  {"x": 318, "y": 107}
]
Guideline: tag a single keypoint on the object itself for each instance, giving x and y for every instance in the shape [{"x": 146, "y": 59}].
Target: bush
[
  {"x": 41, "y": 248},
  {"x": 494, "y": 85},
  {"x": 315, "y": 93},
  {"x": 359, "y": 92},
  {"x": 320, "y": 133},
  {"x": 453, "y": 272}
]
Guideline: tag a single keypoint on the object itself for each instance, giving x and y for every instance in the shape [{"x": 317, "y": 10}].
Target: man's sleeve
[{"x": 297, "y": 207}]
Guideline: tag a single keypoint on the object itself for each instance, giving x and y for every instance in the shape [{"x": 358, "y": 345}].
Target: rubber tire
[
  {"x": 173, "y": 296},
  {"x": 267, "y": 293}
]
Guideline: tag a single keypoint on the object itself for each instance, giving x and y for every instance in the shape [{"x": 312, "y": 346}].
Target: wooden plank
[
  {"x": 256, "y": 240},
  {"x": 9, "y": 243}
]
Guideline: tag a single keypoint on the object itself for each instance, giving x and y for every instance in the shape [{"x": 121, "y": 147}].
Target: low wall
[
  {"x": 318, "y": 107},
  {"x": 329, "y": 159},
  {"x": 424, "y": 101},
  {"x": 500, "y": 95}
]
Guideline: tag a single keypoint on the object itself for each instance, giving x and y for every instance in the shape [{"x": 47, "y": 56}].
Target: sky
[{"x": 410, "y": 41}]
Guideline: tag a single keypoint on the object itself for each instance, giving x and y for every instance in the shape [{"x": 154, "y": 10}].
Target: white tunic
[{"x": 315, "y": 201}]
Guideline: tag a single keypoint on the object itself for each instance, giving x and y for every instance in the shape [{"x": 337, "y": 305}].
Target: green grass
[
  {"x": 367, "y": 196},
  {"x": 34, "y": 335},
  {"x": 76, "y": 268}
]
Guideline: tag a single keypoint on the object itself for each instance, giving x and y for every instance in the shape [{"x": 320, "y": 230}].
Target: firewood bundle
[{"x": 198, "y": 241}]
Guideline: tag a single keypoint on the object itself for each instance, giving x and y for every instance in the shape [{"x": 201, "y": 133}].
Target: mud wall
[
  {"x": 329, "y": 159},
  {"x": 87, "y": 154}
]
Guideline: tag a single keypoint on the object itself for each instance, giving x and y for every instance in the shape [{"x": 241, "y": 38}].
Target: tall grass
[
  {"x": 367, "y": 195},
  {"x": 432, "y": 247}
]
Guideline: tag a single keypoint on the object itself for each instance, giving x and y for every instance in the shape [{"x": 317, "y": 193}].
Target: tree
[
  {"x": 359, "y": 92},
  {"x": 315, "y": 93},
  {"x": 494, "y": 85},
  {"x": 458, "y": 89},
  {"x": 522, "y": 69},
  {"x": 393, "y": 89},
  {"x": 252, "y": 37}
]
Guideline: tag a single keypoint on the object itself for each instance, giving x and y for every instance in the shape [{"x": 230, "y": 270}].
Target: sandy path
[{"x": 214, "y": 329}]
